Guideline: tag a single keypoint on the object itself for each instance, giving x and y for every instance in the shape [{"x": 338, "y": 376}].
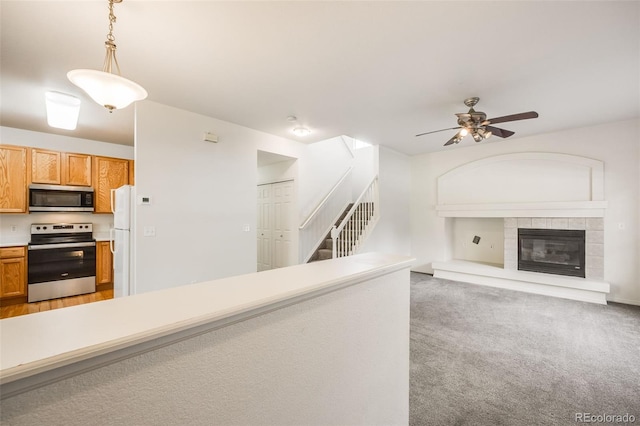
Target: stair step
[{"x": 325, "y": 254}]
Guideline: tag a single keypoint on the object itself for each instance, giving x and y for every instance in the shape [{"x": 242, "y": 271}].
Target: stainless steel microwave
[{"x": 60, "y": 198}]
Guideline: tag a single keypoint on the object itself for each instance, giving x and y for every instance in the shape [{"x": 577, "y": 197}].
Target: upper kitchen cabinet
[
  {"x": 46, "y": 166},
  {"x": 13, "y": 179},
  {"x": 108, "y": 173},
  {"x": 76, "y": 169},
  {"x": 59, "y": 168}
]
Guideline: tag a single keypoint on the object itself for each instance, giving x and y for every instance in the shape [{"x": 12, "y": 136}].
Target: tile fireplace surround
[{"x": 594, "y": 244}]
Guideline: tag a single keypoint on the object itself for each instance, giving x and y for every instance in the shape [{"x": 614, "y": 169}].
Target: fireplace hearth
[{"x": 552, "y": 251}]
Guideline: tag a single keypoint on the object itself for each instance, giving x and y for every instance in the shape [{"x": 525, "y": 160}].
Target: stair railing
[
  {"x": 351, "y": 233},
  {"x": 318, "y": 224}
]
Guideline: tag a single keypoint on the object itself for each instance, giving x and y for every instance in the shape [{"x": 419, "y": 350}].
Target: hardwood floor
[{"x": 47, "y": 305}]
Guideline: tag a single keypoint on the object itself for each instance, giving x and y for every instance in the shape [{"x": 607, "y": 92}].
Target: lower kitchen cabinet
[
  {"x": 13, "y": 272},
  {"x": 104, "y": 263}
]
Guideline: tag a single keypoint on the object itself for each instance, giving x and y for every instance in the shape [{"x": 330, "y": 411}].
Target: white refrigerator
[{"x": 121, "y": 240}]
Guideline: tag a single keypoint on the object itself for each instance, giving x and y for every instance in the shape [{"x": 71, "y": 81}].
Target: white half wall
[
  {"x": 332, "y": 358},
  {"x": 616, "y": 144}
]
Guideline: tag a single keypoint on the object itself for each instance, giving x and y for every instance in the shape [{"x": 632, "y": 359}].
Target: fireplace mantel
[
  {"x": 536, "y": 209},
  {"x": 529, "y": 184}
]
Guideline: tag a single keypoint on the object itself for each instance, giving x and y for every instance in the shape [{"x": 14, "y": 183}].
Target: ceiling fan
[{"x": 476, "y": 123}]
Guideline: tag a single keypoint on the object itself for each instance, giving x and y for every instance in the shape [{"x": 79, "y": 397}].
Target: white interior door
[
  {"x": 275, "y": 229},
  {"x": 282, "y": 202},
  {"x": 263, "y": 229}
]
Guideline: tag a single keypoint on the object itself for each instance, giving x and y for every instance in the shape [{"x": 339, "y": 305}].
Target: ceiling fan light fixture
[
  {"x": 486, "y": 134},
  {"x": 62, "y": 110},
  {"x": 477, "y": 137},
  {"x": 463, "y": 132},
  {"x": 107, "y": 88}
]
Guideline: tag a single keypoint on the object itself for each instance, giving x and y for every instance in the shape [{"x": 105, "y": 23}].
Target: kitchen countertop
[
  {"x": 38, "y": 348},
  {"x": 104, "y": 236},
  {"x": 13, "y": 243}
]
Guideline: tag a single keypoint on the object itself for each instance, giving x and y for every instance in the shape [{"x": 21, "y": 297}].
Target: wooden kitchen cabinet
[
  {"x": 76, "y": 169},
  {"x": 13, "y": 179},
  {"x": 60, "y": 168},
  {"x": 108, "y": 173},
  {"x": 13, "y": 272},
  {"x": 46, "y": 166},
  {"x": 104, "y": 263}
]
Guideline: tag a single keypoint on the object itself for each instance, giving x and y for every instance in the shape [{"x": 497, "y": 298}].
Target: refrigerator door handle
[
  {"x": 112, "y": 196},
  {"x": 112, "y": 240}
]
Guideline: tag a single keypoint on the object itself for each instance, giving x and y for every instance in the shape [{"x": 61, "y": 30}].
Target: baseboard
[{"x": 623, "y": 301}]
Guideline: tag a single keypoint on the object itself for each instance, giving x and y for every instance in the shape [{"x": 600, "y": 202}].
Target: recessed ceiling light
[{"x": 301, "y": 131}]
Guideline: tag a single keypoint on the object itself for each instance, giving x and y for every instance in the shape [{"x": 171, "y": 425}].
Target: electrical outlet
[
  {"x": 149, "y": 231},
  {"x": 14, "y": 228}
]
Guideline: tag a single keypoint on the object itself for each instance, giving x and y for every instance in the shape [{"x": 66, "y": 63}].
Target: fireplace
[{"x": 552, "y": 251}]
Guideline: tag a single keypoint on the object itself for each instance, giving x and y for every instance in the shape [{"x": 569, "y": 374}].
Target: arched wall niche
[{"x": 529, "y": 184}]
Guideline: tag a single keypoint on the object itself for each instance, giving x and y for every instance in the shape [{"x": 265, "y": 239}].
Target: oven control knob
[
  {"x": 38, "y": 228},
  {"x": 44, "y": 227}
]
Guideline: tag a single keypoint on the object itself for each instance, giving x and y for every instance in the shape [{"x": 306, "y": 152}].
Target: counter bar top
[{"x": 43, "y": 347}]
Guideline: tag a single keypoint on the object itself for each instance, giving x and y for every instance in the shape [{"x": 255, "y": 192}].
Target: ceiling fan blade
[
  {"x": 514, "y": 117},
  {"x": 436, "y": 131},
  {"x": 501, "y": 133},
  {"x": 452, "y": 140}
]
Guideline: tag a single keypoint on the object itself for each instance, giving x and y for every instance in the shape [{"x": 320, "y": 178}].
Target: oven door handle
[{"x": 59, "y": 246}]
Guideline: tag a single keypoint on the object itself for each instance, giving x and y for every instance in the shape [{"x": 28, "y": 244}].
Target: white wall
[
  {"x": 490, "y": 248},
  {"x": 366, "y": 167},
  {"x": 393, "y": 232},
  {"x": 323, "y": 164},
  {"x": 278, "y": 172},
  {"x": 204, "y": 194},
  {"x": 617, "y": 144},
  {"x": 22, "y": 222}
]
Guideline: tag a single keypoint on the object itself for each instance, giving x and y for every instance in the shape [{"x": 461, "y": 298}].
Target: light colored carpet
[{"x": 487, "y": 356}]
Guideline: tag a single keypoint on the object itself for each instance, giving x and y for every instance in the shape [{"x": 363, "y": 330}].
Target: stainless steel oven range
[{"x": 62, "y": 260}]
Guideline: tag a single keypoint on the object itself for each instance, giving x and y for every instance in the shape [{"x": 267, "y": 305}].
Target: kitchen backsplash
[{"x": 16, "y": 228}]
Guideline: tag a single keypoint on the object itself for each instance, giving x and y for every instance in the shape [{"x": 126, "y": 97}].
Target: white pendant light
[
  {"x": 106, "y": 87},
  {"x": 62, "y": 110}
]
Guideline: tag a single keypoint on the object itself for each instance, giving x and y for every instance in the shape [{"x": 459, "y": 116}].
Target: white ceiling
[{"x": 378, "y": 71}]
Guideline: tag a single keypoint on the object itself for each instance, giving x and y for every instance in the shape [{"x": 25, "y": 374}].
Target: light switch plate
[{"x": 149, "y": 231}]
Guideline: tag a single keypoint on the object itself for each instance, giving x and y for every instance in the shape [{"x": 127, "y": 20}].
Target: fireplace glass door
[{"x": 552, "y": 251}]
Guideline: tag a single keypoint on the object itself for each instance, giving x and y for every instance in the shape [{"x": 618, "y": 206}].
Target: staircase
[
  {"x": 325, "y": 250},
  {"x": 352, "y": 228}
]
